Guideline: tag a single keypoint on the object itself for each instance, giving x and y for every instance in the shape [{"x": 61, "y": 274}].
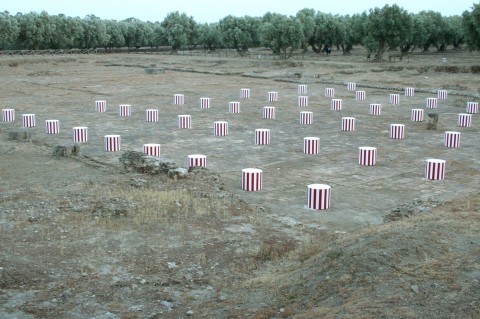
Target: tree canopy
[{"x": 380, "y": 29}]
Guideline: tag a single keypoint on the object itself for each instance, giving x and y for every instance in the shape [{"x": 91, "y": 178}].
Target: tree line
[{"x": 378, "y": 30}]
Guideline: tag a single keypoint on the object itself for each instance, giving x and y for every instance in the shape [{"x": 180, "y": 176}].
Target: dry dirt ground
[{"x": 81, "y": 237}]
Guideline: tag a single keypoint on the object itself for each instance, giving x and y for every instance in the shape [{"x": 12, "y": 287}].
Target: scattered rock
[
  {"x": 19, "y": 136},
  {"x": 133, "y": 161},
  {"x": 66, "y": 150},
  {"x": 414, "y": 288}
]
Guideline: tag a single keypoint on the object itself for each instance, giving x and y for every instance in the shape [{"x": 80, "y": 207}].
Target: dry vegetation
[{"x": 114, "y": 244}]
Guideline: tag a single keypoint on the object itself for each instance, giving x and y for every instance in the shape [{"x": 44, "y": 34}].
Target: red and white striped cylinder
[
  {"x": 272, "y": 96},
  {"x": 360, "y": 95},
  {"x": 244, "y": 93},
  {"x": 452, "y": 139},
  {"x": 394, "y": 99},
  {"x": 472, "y": 107},
  {"x": 302, "y": 100},
  {"x": 220, "y": 128},
  {"x": 178, "y": 99},
  {"x": 416, "y": 115},
  {"x": 252, "y": 179},
  {"x": 330, "y": 92},
  {"x": 351, "y": 86},
  {"x": 151, "y": 115},
  {"x": 464, "y": 120},
  {"x": 233, "y": 107},
  {"x": 442, "y": 94},
  {"x": 28, "y": 120},
  {"x": 52, "y": 126},
  {"x": 306, "y": 118},
  {"x": 409, "y": 91},
  {"x": 152, "y": 149},
  {"x": 80, "y": 134},
  {"x": 375, "y": 109},
  {"x": 125, "y": 110},
  {"x": 184, "y": 121},
  {"x": 336, "y": 104},
  {"x": 197, "y": 160},
  {"x": 205, "y": 102},
  {"x": 432, "y": 102},
  {"x": 397, "y": 131},
  {"x": 311, "y": 145},
  {"x": 111, "y": 143},
  {"x": 348, "y": 124},
  {"x": 302, "y": 89},
  {"x": 8, "y": 115},
  {"x": 268, "y": 112},
  {"x": 101, "y": 106},
  {"x": 435, "y": 169},
  {"x": 319, "y": 196},
  {"x": 262, "y": 136},
  {"x": 367, "y": 156}
]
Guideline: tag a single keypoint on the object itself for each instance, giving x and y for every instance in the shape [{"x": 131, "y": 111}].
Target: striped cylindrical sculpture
[
  {"x": 52, "y": 126},
  {"x": 409, "y": 91},
  {"x": 351, "y": 86},
  {"x": 394, "y": 99},
  {"x": 28, "y": 120},
  {"x": 464, "y": 120},
  {"x": 151, "y": 115},
  {"x": 367, "y": 156},
  {"x": 472, "y": 107},
  {"x": 125, "y": 110},
  {"x": 360, "y": 95},
  {"x": 416, "y": 115},
  {"x": 336, "y": 104},
  {"x": 111, "y": 143},
  {"x": 101, "y": 106},
  {"x": 442, "y": 94},
  {"x": 244, "y": 93},
  {"x": 272, "y": 97},
  {"x": 432, "y": 102},
  {"x": 197, "y": 160},
  {"x": 306, "y": 118},
  {"x": 152, "y": 149},
  {"x": 451, "y": 139},
  {"x": 302, "y": 89},
  {"x": 319, "y": 196},
  {"x": 205, "y": 102},
  {"x": 330, "y": 92},
  {"x": 262, "y": 136},
  {"x": 252, "y": 179},
  {"x": 435, "y": 169},
  {"x": 397, "y": 131},
  {"x": 184, "y": 121},
  {"x": 178, "y": 99},
  {"x": 80, "y": 134},
  {"x": 311, "y": 145},
  {"x": 220, "y": 128},
  {"x": 268, "y": 112},
  {"x": 302, "y": 100},
  {"x": 8, "y": 115},
  {"x": 348, "y": 124},
  {"x": 234, "y": 107},
  {"x": 375, "y": 109}
]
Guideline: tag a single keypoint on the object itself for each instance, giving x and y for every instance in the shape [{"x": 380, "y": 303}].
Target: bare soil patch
[{"x": 83, "y": 237}]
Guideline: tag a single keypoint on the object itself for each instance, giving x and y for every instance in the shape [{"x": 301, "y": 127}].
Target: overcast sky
[{"x": 214, "y": 10}]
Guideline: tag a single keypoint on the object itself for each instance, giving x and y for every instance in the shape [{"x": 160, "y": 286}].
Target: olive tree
[
  {"x": 386, "y": 28},
  {"x": 471, "y": 26},
  {"x": 282, "y": 34},
  {"x": 8, "y": 30},
  {"x": 239, "y": 33},
  {"x": 180, "y": 30}
]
